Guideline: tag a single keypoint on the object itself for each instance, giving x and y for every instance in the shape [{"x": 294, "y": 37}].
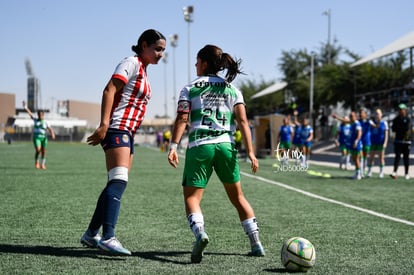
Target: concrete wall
[
  {"x": 90, "y": 112},
  {"x": 7, "y": 108},
  {"x": 262, "y": 124}
]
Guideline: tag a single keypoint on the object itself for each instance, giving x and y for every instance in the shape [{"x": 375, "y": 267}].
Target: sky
[{"x": 75, "y": 45}]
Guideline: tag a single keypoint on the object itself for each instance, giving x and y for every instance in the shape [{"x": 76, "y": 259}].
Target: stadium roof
[
  {"x": 404, "y": 42},
  {"x": 271, "y": 89}
]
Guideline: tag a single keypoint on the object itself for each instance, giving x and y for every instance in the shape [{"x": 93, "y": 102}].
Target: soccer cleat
[
  {"x": 381, "y": 175},
  {"x": 199, "y": 246},
  {"x": 407, "y": 177},
  {"x": 43, "y": 167},
  {"x": 90, "y": 241},
  {"x": 113, "y": 246},
  {"x": 357, "y": 177},
  {"x": 369, "y": 174},
  {"x": 37, "y": 165},
  {"x": 257, "y": 251},
  {"x": 393, "y": 175}
]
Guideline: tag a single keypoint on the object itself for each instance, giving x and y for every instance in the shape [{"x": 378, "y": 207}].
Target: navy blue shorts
[{"x": 117, "y": 138}]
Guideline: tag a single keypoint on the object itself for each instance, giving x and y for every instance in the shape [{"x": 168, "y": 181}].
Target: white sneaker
[
  {"x": 113, "y": 246},
  {"x": 357, "y": 177},
  {"x": 90, "y": 241},
  {"x": 407, "y": 177}
]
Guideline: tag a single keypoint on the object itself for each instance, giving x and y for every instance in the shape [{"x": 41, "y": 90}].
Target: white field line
[
  {"x": 309, "y": 194},
  {"x": 367, "y": 211}
]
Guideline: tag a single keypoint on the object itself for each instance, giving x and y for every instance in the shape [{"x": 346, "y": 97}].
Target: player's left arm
[
  {"x": 310, "y": 138},
  {"x": 52, "y": 132},
  {"x": 385, "y": 139},
  {"x": 243, "y": 122}
]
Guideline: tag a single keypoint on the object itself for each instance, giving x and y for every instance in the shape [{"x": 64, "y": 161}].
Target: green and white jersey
[
  {"x": 210, "y": 102},
  {"x": 40, "y": 128}
]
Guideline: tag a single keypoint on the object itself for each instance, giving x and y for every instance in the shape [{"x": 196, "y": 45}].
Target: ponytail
[{"x": 218, "y": 61}]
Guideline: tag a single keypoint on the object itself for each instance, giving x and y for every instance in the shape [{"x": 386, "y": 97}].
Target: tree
[
  {"x": 365, "y": 85},
  {"x": 262, "y": 105}
]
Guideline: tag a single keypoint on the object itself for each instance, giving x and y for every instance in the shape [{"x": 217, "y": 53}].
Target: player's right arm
[
  {"x": 27, "y": 109},
  {"x": 109, "y": 92}
]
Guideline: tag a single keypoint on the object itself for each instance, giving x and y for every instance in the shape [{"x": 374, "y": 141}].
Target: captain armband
[{"x": 184, "y": 107}]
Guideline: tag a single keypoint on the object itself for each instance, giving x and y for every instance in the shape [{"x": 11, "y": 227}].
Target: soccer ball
[{"x": 298, "y": 254}]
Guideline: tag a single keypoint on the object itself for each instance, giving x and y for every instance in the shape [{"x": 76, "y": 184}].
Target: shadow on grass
[
  {"x": 56, "y": 251},
  {"x": 277, "y": 270},
  {"x": 165, "y": 256}
]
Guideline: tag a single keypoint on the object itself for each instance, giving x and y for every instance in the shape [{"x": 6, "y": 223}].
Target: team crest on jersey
[
  {"x": 125, "y": 138},
  {"x": 183, "y": 107}
]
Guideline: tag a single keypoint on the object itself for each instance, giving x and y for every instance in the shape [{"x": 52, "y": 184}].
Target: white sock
[
  {"x": 251, "y": 228},
  {"x": 196, "y": 222},
  {"x": 361, "y": 161}
]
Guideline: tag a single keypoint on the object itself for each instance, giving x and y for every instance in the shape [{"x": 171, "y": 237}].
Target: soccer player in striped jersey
[
  {"x": 40, "y": 130},
  {"x": 124, "y": 103},
  {"x": 211, "y": 105}
]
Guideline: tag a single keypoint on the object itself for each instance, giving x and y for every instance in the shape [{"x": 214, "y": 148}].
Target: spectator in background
[
  {"x": 356, "y": 144},
  {"x": 238, "y": 139},
  {"x": 306, "y": 133},
  {"x": 284, "y": 140},
  {"x": 159, "y": 140},
  {"x": 401, "y": 125},
  {"x": 343, "y": 139},
  {"x": 166, "y": 136},
  {"x": 366, "y": 125},
  {"x": 297, "y": 143},
  {"x": 379, "y": 140}
]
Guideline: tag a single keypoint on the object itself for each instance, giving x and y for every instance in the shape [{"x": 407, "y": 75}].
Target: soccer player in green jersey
[
  {"x": 40, "y": 129},
  {"x": 211, "y": 106}
]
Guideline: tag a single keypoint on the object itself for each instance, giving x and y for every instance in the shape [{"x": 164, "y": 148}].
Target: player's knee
[
  {"x": 117, "y": 182},
  {"x": 118, "y": 173}
]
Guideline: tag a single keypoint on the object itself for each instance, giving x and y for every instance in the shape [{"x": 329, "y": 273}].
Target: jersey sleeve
[
  {"x": 239, "y": 97},
  {"x": 125, "y": 70}
]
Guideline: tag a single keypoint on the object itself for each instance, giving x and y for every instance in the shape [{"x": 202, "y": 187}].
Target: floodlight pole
[
  {"x": 165, "y": 61},
  {"x": 188, "y": 17},
  {"x": 328, "y": 13},
  {"x": 174, "y": 43},
  {"x": 311, "y": 89}
]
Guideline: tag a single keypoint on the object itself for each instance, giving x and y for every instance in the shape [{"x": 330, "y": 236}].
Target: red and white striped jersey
[{"x": 130, "y": 104}]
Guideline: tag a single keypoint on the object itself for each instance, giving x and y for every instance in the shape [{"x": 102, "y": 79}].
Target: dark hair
[
  {"x": 150, "y": 36},
  {"x": 218, "y": 61}
]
